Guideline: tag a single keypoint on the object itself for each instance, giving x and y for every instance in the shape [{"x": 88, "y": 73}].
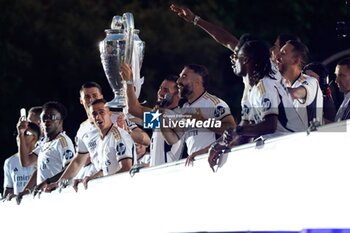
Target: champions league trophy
[{"x": 122, "y": 44}]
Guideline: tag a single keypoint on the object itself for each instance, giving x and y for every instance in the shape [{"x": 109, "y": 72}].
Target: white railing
[{"x": 290, "y": 183}]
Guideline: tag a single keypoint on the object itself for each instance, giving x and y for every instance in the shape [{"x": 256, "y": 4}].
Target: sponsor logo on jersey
[{"x": 68, "y": 154}]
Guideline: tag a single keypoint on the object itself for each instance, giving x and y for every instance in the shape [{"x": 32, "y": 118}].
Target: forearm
[
  {"x": 267, "y": 126},
  {"x": 219, "y": 34},
  {"x": 26, "y": 157},
  {"x": 74, "y": 167},
  {"x": 140, "y": 137},
  {"x": 134, "y": 106}
]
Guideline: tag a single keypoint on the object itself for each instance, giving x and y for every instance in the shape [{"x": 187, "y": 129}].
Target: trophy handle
[{"x": 128, "y": 23}]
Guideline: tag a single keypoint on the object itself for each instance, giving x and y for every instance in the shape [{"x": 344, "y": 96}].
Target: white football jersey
[
  {"x": 211, "y": 107},
  {"x": 16, "y": 176},
  {"x": 312, "y": 107},
  {"x": 270, "y": 97},
  {"x": 53, "y": 156},
  {"x": 161, "y": 152},
  {"x": 114, "y": 147}
]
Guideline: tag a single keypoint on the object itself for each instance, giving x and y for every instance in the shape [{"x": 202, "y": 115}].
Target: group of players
[{"x": 282, "y": 94}]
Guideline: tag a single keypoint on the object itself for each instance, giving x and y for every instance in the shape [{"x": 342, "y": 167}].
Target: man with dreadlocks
[{"x": 267, "y": 109}]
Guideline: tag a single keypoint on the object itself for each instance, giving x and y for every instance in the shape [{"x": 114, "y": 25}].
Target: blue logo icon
[{"x": 151, "y": 120}]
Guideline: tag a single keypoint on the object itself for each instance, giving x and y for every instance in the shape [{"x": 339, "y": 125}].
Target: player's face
[
  {"x": 101, "y": 116},
  {"x": 239, "y": 62},
  {"x": 342, "y": 73},
  {"x": 51, "y": 121},
  {"x": 186, "y": 82},
  {"x": 285, "y": 58},
  {"x": 167, "y": 87},
  {"x": 88, "y": 95}
]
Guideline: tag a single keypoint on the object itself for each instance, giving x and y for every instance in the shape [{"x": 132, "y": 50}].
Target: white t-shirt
[
  {"x": 114, "y": 147},
  {"x": 210, "y": 106},
  {"x": 53, "y": 156},
  {"x": 16, "y": 176}
]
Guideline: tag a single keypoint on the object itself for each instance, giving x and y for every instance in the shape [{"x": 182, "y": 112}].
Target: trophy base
[{"x": 117, "y": 103}]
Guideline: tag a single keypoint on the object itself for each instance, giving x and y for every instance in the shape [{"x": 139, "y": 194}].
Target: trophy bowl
[{"x": 115, "y": 49}]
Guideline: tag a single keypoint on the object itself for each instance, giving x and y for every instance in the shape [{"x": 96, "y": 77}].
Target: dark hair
[
  {"x": 90, "y": 84},
  {"x": 36, "y": 110},
  {"x": 285, "y": 37},
  {"x": 344, "y": 62},
  {"x": 245, "y": 38},
  {"x": 301, "y": 51},
  {"x": 35, "y": 128},
  {"x": 58, "y": 106},
  {"x": 259, "y": 54},
  {"x": 321, "y": 70},
  {"x": 98, "y": 101},
  {"x": 172, "y": 78},
  {"x": 200, "y": 70}
]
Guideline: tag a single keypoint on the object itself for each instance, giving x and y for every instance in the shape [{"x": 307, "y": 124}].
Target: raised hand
[{"x": 183, "y": 12}]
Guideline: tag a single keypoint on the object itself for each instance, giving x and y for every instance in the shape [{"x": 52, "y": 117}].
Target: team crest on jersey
[
  {"x": 266, "y": 104},
  {"x": 219, "y": 111},
  {"x": 121, "y": 148},
  {"x": 68, "y": 154}
]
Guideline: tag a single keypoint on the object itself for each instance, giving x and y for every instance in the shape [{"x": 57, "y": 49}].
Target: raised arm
[
  {"x": 219, "y": 34},
  {"x": 135, "y": 108},
  {"x": 27, "y": 158}
]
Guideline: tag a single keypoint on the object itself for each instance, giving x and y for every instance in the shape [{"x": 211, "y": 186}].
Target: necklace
[{"x": 47, "y": 144}]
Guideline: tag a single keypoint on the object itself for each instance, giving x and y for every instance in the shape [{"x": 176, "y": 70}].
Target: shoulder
[
  {"x": 115, "y": 132},
  {"x": 64, "y": 140},
  {"x": 211, "y": 98}
]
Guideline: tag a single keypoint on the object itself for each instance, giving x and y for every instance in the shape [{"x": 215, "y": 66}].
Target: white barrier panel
[{"x": 290, "y": 183}]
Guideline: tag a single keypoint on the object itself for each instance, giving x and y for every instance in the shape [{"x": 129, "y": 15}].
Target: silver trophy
[{"x": 121, "y": 44}]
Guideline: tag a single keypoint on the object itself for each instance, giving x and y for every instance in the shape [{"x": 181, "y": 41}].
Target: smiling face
[
  {"x": 239, "y": 61},
  {"x": 101, "y": 116},
  {"x": 168, "y": 87},
  {"x": 286, "y": 58}
]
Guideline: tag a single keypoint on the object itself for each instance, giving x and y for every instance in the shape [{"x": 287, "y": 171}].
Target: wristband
[
  {"x": 129, "y": 82},
  {"x": 195, "y": 20}
]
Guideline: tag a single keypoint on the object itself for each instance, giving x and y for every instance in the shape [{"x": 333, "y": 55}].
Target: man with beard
[
  {"x": 305, "y": 90},
  {"x": 167, "y": 96},
  {"x": 264, "y": 110},
  {"x": 54, "y": 153},
  {"x": 201, "y": 106}
]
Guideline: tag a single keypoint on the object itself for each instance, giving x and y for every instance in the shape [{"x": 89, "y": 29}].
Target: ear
[
  {"x": 296, "y": 60},
  {"x": 81, "y": 101}
]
